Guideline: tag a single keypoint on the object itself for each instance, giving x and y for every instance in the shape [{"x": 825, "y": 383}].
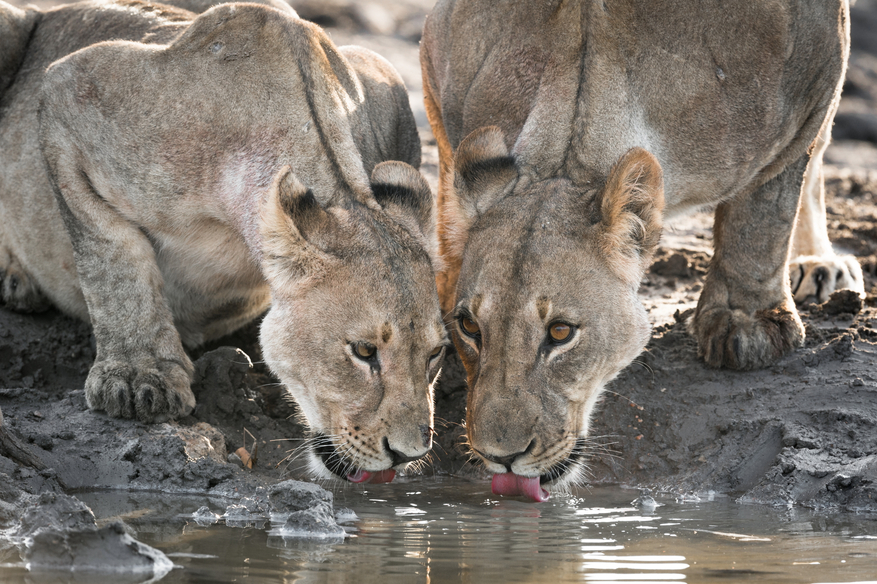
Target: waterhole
[{"x": 433, "y": 530}]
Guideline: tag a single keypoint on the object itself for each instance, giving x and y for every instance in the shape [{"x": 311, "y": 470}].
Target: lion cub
[
  {"x": 568, "y": 132},
  {"x": 205, "y": 169}
]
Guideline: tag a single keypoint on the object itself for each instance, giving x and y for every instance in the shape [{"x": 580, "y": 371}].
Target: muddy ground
[{"x": 803, "y": 431}]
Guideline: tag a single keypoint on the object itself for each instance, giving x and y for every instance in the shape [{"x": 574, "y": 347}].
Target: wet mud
[{"x": 801, "y": 432}]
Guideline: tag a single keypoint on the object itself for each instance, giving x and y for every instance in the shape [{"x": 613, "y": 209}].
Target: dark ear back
[
  {"x": 484, "y": 172},
  {"x": 299, "y": 204},
  {"x": 632, "y": 210},
  {"x": 405, "y": 195},
  {"x": 288, "y": 217}
]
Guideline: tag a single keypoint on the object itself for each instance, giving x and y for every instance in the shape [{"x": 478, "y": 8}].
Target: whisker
[
  {"x": 624, "y": 397},
  {"x": 645, "y": 365}
]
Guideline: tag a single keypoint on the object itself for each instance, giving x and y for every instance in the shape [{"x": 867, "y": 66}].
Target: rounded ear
[
  {"x": 632, "y": 210},
  {"x": 288, "y": 215},
  {"x": 405, "y": 196},
  {"x": 484, "y": 172}
]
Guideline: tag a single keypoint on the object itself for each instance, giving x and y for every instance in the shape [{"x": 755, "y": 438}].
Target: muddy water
[{"x": 434, "y": 530}]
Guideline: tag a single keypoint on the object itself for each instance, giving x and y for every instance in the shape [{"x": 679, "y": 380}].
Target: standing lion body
[{"x": 569, "y": 131}]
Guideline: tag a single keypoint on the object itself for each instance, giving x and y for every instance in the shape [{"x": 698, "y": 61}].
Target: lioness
[
  {"x": 205, "y": 169},
  {"x": 568, "y": 131}
]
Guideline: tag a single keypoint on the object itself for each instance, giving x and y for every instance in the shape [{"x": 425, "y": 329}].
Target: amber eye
[
  {"x": 364, "y": 351},
  {"x": 436, "y": 352},
  {"x": 469, "y": 327},
  {"x": 560, "y": 332}
]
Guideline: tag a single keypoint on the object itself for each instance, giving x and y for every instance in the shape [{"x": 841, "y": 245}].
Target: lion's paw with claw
[
  {"x": 151, "y": 391},
  {"x": 814, "y": 278}
]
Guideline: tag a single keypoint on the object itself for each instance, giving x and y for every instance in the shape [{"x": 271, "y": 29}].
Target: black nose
[
  {"x": 507, "y": 461},
  {"x": 396, "y": 456}
]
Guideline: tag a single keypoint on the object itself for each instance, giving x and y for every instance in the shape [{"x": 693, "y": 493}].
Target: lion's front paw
[
  {"x": 737, "y": 340},
  {"x": 814, "y": 278},
  {"x": 152, "y": 392}
]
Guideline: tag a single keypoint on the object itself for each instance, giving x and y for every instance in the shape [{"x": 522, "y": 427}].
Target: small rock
[
  {"x": 44, "y": 442},
  {"x": 842, "y": 347},
  {"x": 645, "y": 503},
  {"x": 842, "y": 302},
  {"x": 109, "y": 549},
  {"x": 55, "y": 511},
  {"x": 205, "y": 517},
  {"x": 676, "y": 266},
  {"x": 345, "y": 515},
  {"x": 312, "y": 523},
  {"x": 289, "y": 496},
  {"x": 244, "y": 516}
]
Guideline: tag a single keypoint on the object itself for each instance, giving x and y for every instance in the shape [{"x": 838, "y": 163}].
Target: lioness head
[
  {"x": 546, "y": 309},
  {"x": 354, "y": 330}
]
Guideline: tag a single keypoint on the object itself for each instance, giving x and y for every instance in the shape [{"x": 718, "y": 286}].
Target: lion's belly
[{"x": 212, "y": 284}]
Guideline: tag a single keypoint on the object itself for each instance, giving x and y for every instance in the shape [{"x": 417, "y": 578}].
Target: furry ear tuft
[
  {"x": 483, "y": 172},
  {"x": 288, "y": 216},
  {"x": 632, "y": 210},
  {"x": 405, "y": 195}
]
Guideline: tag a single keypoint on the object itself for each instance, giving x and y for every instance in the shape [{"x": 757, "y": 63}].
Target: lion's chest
[{"x": 212, "y": 283}]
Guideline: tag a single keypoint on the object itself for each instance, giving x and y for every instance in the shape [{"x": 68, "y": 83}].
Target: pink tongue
[
  {"x": 512, "y": 484},
  {"x": 364, "y": 476}
]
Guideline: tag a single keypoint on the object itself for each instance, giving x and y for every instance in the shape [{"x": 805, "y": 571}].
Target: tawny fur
[
  {"x": 170, "y": 176},
  {"x": 613, "y": 117}
]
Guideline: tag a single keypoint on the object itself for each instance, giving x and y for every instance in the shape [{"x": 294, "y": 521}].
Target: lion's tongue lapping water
[
  {"x": 512, "y": 484},
  {"x": 364, "y": 476}
]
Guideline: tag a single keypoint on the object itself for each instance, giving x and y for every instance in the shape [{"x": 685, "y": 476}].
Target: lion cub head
[
  {"x": 354, "y": 330},
  {"x": 546, "y": 309}
]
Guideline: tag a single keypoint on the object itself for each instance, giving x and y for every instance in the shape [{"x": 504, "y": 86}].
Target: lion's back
[{"x": 718, "y": 93}]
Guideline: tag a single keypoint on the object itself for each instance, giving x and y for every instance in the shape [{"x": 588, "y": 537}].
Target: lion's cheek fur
[{"x": 280, "y": 357}]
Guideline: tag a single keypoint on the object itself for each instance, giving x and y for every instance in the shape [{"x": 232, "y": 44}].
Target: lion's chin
[
  {"x": 561, "y": 475},
  {"x": 330, "y": 463}
]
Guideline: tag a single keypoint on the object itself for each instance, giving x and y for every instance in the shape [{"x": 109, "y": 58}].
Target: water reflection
[{"x": 435, "y": 531}]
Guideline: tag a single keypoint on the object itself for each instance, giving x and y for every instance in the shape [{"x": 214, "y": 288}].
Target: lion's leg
[
  {"x": 815, "y": 270},
  {"x": 141, "y": 370},
  {"x": 746, "y": 317}
]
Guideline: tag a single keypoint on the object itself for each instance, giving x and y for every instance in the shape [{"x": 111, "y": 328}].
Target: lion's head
[
  {"x": 354, "y": 330},
  {"x": 546, "y": 309}
]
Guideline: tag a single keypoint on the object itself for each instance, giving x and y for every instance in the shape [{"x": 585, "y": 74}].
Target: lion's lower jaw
[
  {"x": 538, "y": 489},
  {"x": 318, "y": 469},
  {"x": 559, "y": 477},
  {"x": 322, "y": 466},
  {"x": 574, "y": 476},
  {"x": 355, "y": 475}
]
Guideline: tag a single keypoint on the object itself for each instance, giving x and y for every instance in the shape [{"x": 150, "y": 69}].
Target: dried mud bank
[
  {"x": 803, "y": 431},
  {"x": 52, "y": 446}
]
